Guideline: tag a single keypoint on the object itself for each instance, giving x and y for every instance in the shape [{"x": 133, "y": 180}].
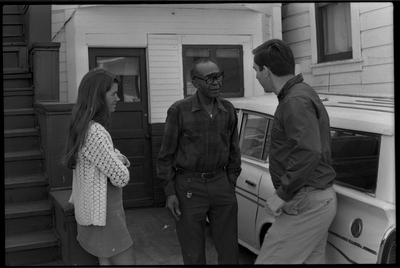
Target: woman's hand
[{"x": 123, "y": 160}]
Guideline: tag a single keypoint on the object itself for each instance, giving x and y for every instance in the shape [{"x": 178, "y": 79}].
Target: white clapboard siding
[
  {"x": 373, "y": 72},
  {"x": 165, "y": 86},
  {"x": 58, "y": 20},
  {"x": 378, "y": 55}
]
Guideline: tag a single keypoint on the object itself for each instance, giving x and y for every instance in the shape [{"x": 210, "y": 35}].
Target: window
[
  {"x": 229, "y": 59},
  {"x": 334, "y": 33},
  {"x": 126, "y": 64},
  {"x": 355, "y": 159},
  {"x": 256, "y": 136}
]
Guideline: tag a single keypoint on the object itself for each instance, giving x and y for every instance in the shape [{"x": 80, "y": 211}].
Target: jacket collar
[{"x": 291, "y": 82}]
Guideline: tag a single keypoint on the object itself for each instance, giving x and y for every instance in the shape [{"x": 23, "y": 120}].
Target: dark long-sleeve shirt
[
  {"x": 300, "y": 153},
  {"x": 194, "y": 141}
]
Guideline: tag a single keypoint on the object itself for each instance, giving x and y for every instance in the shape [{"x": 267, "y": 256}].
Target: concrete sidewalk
[{"x": 156, "y": 243}]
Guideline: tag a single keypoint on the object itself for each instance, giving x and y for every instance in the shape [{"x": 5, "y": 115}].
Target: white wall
[
  {"x": 162, "y": 29},
  {"x": 371, "y": 71}
]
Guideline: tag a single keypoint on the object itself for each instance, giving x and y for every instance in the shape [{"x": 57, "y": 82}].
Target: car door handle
[{"x": 250, "y": 182}]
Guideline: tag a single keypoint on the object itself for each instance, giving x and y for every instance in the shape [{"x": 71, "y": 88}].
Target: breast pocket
[{"x": 192, "y": 143}]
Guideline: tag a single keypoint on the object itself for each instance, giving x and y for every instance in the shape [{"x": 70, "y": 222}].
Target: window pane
[
  {"x": 193, "y": 54},
  {"x": 355, "y": 159},
  {"x": 229, "y": 62},
  {"x": 127, "y": 68},
  {"x": 336, "y": 28},
  {"x": 254, "y": 131}
]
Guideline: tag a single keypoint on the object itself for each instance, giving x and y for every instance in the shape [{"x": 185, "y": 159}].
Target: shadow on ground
[{"x": 156, "y": 243}]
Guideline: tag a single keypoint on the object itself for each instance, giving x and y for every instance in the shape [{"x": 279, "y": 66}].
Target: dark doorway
[{"x": 130, "y": 125}]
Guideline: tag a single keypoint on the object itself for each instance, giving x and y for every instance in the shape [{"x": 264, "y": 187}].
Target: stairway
[{"x": 29, "y": 235}]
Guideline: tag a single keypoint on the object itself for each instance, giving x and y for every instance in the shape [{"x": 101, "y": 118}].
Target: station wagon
[{"x": 362, "y": 130}]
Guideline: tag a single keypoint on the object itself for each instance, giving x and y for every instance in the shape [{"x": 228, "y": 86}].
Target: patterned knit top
[{"x": 97, "y": 161}]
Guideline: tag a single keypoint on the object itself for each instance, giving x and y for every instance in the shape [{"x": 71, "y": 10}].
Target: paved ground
[{"x": 156, "y": 243}]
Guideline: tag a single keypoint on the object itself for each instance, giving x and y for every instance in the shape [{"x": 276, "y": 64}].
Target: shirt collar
[
  {"x": 196, "y": 105},
  {"x": 291, "y": 82}
]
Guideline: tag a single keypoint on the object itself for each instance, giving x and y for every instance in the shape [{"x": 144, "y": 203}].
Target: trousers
[
  {"x": 214, "y": 198},
  {"x": 299, "y": 234}
]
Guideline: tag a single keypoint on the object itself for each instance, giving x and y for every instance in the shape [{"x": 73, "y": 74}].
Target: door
[
  {"x": 252, "y": 147},
  {"x": 130, "y": 125}
]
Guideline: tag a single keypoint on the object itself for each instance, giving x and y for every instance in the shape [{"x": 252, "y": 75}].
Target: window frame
[
  {"x": 334, "y": 67},
  {"x": 243, "y": 121},
  {"x": 322, "y": 57},
  {"x": 95, "y": 52},
  {"x": 377, "y": 155},
  {"x": 213, "y": 48}
]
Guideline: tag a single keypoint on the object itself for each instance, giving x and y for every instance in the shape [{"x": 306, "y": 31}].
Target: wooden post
[
  {"x": 45, "y": 68},
  {"x": 53, "y": 119},
  {"x": 37, "y": 23}
]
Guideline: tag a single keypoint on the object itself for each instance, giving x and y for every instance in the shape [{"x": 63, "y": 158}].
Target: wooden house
[{"x": 340, "y": 47}]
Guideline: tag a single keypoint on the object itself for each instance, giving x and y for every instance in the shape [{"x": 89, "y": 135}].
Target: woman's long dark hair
[{"x": 90, "y": 105}]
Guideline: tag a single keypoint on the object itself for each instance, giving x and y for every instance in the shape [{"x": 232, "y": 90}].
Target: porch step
[
  {"x": 15, "y": 57},
  {"x": 28, "y": 217},
  {"x": 17, "y": 70},
  {"x": 17, "y": 79},
  {"x": 13, "y": 29},
  {"x": 10, "y": 9},
  {"x": 19, "y": 118},
  {"x": 13, "y": 33},
  {"x": 24, "y": 139},
  {"x": 14, "y": 43},
  {"x": 9, "y": 133},
  {"x": 23, "y": 162},
  {"x": 25, "y": 188},
  {"x": 18, "y": 98},
  {"x": 23, "y": 155},
  {"x": 31, "y": 248}
]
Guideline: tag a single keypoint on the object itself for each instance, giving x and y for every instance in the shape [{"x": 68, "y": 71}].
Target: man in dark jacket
[
  {"x": 199, "y": 163},
  {"x": 304, "y": 202}
]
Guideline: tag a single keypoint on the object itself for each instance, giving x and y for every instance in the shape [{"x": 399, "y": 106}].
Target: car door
[{"x": 252, "y": 143}]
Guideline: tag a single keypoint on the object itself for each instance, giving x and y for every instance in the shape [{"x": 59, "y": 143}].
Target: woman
[{"x": 99, "y": 172}]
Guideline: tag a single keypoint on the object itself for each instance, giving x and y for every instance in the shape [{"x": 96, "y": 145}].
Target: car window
[
  {"x": 355, "y": 159},
  {"x": 255, "y": 133}
]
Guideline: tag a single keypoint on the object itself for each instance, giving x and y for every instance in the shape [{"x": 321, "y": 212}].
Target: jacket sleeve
[
  {"x": 166, "y": 156},
  {"x": 99, "y": 150},
  {"x": 233, "y": 168},
  {"x": 302, "y": 131}
]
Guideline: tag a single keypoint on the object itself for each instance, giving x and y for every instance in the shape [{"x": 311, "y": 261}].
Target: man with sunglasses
[{"x": 199, "y": 163}]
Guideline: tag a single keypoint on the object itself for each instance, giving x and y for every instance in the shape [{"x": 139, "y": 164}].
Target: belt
[{"x": 207, "y": 175}]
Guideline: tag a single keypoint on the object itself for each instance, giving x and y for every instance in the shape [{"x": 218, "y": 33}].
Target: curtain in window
[{"x": 336, "y": 28}]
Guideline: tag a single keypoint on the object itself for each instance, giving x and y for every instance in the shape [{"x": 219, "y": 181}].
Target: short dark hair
[
  {"x": 193, "y": 71},
  {"x": 276, "y": 55}
]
